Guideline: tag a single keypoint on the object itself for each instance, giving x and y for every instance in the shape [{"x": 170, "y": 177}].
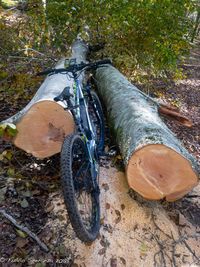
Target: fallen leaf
[
  {"x": 104, "y": 242},
  {"x": 21, "y": 233},
  {"x": 62, "y": 250},
  {"x": 123, "y": 260},
  {"x": 143, "y": 249},
  {"x": 106, "y": 149},
  {"x": 21, "y": 242},
  {"x": 102, "y": 251},
  {"x": 6, "y": 154},
  {"x": 24, "y": 203},
  {"x": 36, "y": 192},
  {"x": 113, "y": 262},
  {"x": 122, "y": 206},
  {"x": 105, "y": 187},
  {"x": 9, "y": 155},
  {"x": 102, "y": 221},
  {"x": 108, "y": 228},
  {"x": 118, "y": 219},
  {"x": 107, "y": 206},
  {"x": 61, "y": 218},
  {"x": 50, "y": 207},
  {"x": 11, "y": 172}
]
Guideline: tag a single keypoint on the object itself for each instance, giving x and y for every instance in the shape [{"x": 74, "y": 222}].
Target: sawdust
[{"x": 129, "y": 234}]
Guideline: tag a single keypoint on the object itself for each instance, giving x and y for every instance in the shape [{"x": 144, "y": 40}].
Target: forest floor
[{"x": 134, "y": 232}]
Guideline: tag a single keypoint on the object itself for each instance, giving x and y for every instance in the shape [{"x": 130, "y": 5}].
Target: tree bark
[
  {"x": 196, "y": 26},
  {"x": 157, "y": 165},
  {"x": 43, "y": 123}
]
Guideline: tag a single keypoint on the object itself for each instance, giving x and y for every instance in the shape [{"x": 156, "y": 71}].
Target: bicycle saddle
[{"x": 65, "y": 95}]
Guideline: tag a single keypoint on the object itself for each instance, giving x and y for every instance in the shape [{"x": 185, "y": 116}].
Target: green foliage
[
  {"x": 8, "y": 3},
  {"x": 142, "y": 36},
  {"x": 148, "y": 34},
  {"x": 8, "y": 130}
]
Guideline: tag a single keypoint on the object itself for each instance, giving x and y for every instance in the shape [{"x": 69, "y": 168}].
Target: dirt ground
[{"x": 134, "y": 232}]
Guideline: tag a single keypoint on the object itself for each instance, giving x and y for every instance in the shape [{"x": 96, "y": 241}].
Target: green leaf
[
  {"x": 8, "y": 129},
  {"x": 3, "y": 75},
  {"x": 21, "y": 233},
  {"x": 11, "y": 130},
  {"x": 143, "y": 248},
  {"x": 9, "y": 155},
  {"x": 11, "y": 172}
]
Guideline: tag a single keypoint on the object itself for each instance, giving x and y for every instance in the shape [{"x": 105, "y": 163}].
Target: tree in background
[{"x": 147, "y": 35}]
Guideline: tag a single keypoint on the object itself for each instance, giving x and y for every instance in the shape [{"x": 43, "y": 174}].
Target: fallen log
[
  {"x": 157, "y": 165},
  {"x": 43, "y": 123}
]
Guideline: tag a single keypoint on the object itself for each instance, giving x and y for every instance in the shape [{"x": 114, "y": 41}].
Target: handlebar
[{"x": 76, "y": 67}]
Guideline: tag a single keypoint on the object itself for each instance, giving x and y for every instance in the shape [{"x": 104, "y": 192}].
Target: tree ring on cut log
[
  {"x": 157, "y": 171},
  {"x": 42, "y": 129}
]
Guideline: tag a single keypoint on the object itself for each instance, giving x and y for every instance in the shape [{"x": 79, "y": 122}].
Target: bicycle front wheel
[
  {"x": 80, "y": 195},
  {"x": 97, "y": 117}
]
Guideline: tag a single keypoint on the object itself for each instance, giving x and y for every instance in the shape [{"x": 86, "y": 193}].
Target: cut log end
[
  {"x": 157, "y": 172},
  {"x": 42, "y": 129}
]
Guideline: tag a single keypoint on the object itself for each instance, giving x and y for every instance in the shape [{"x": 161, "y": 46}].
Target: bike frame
[{"x": 82, "y": 120}]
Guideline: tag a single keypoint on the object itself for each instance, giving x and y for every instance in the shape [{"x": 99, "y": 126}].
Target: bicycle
[{"x": 81, "y": 150}]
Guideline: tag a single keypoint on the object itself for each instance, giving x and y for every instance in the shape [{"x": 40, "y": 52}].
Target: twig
[
  {"x": 160, "y": 253},
  {"x": 191, "y": 251},
  {"x": 156, "y": 225},
  {"x": 183, "y": 239},
  {"x": 35, "y": 51},
  {"x": 193, "y": 196},
  {"x": 24, "y": 229},
  {"x": 28, "y": 58}
]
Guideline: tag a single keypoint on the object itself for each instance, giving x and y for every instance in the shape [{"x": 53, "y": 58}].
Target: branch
[
  {"x": 24, "y": 229},
  {"x": 174, "y": 114}
]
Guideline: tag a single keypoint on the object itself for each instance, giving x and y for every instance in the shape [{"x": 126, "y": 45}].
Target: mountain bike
[{"x": 81, "y": 150}]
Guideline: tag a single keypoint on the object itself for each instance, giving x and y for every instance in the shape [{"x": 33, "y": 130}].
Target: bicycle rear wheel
[{"x": 80, "y": 195}]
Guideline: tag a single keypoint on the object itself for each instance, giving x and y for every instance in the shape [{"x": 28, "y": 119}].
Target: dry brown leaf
[
  {"x": 107, "y": 206},
  {"x": 123, "y": 261},
  {"x": 50, "y": 208},
  {"x": 102, "y": 251},
  {"x": 21, "y": 242},
  {"x": 105, "y": 187},
  {"x": 118, "y": 219},
  {"x": 122, "y": 206},
  {"x": 113, "y": 262}
]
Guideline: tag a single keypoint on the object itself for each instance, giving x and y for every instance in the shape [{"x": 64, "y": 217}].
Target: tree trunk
[
  {"x": 157, "y": 166},
  {"x": 196, "y": 26},
  {"x": 43, "y": 123}
]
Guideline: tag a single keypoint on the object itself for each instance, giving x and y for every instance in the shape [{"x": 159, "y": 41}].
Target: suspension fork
[{"x": 90, "y": 142}]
